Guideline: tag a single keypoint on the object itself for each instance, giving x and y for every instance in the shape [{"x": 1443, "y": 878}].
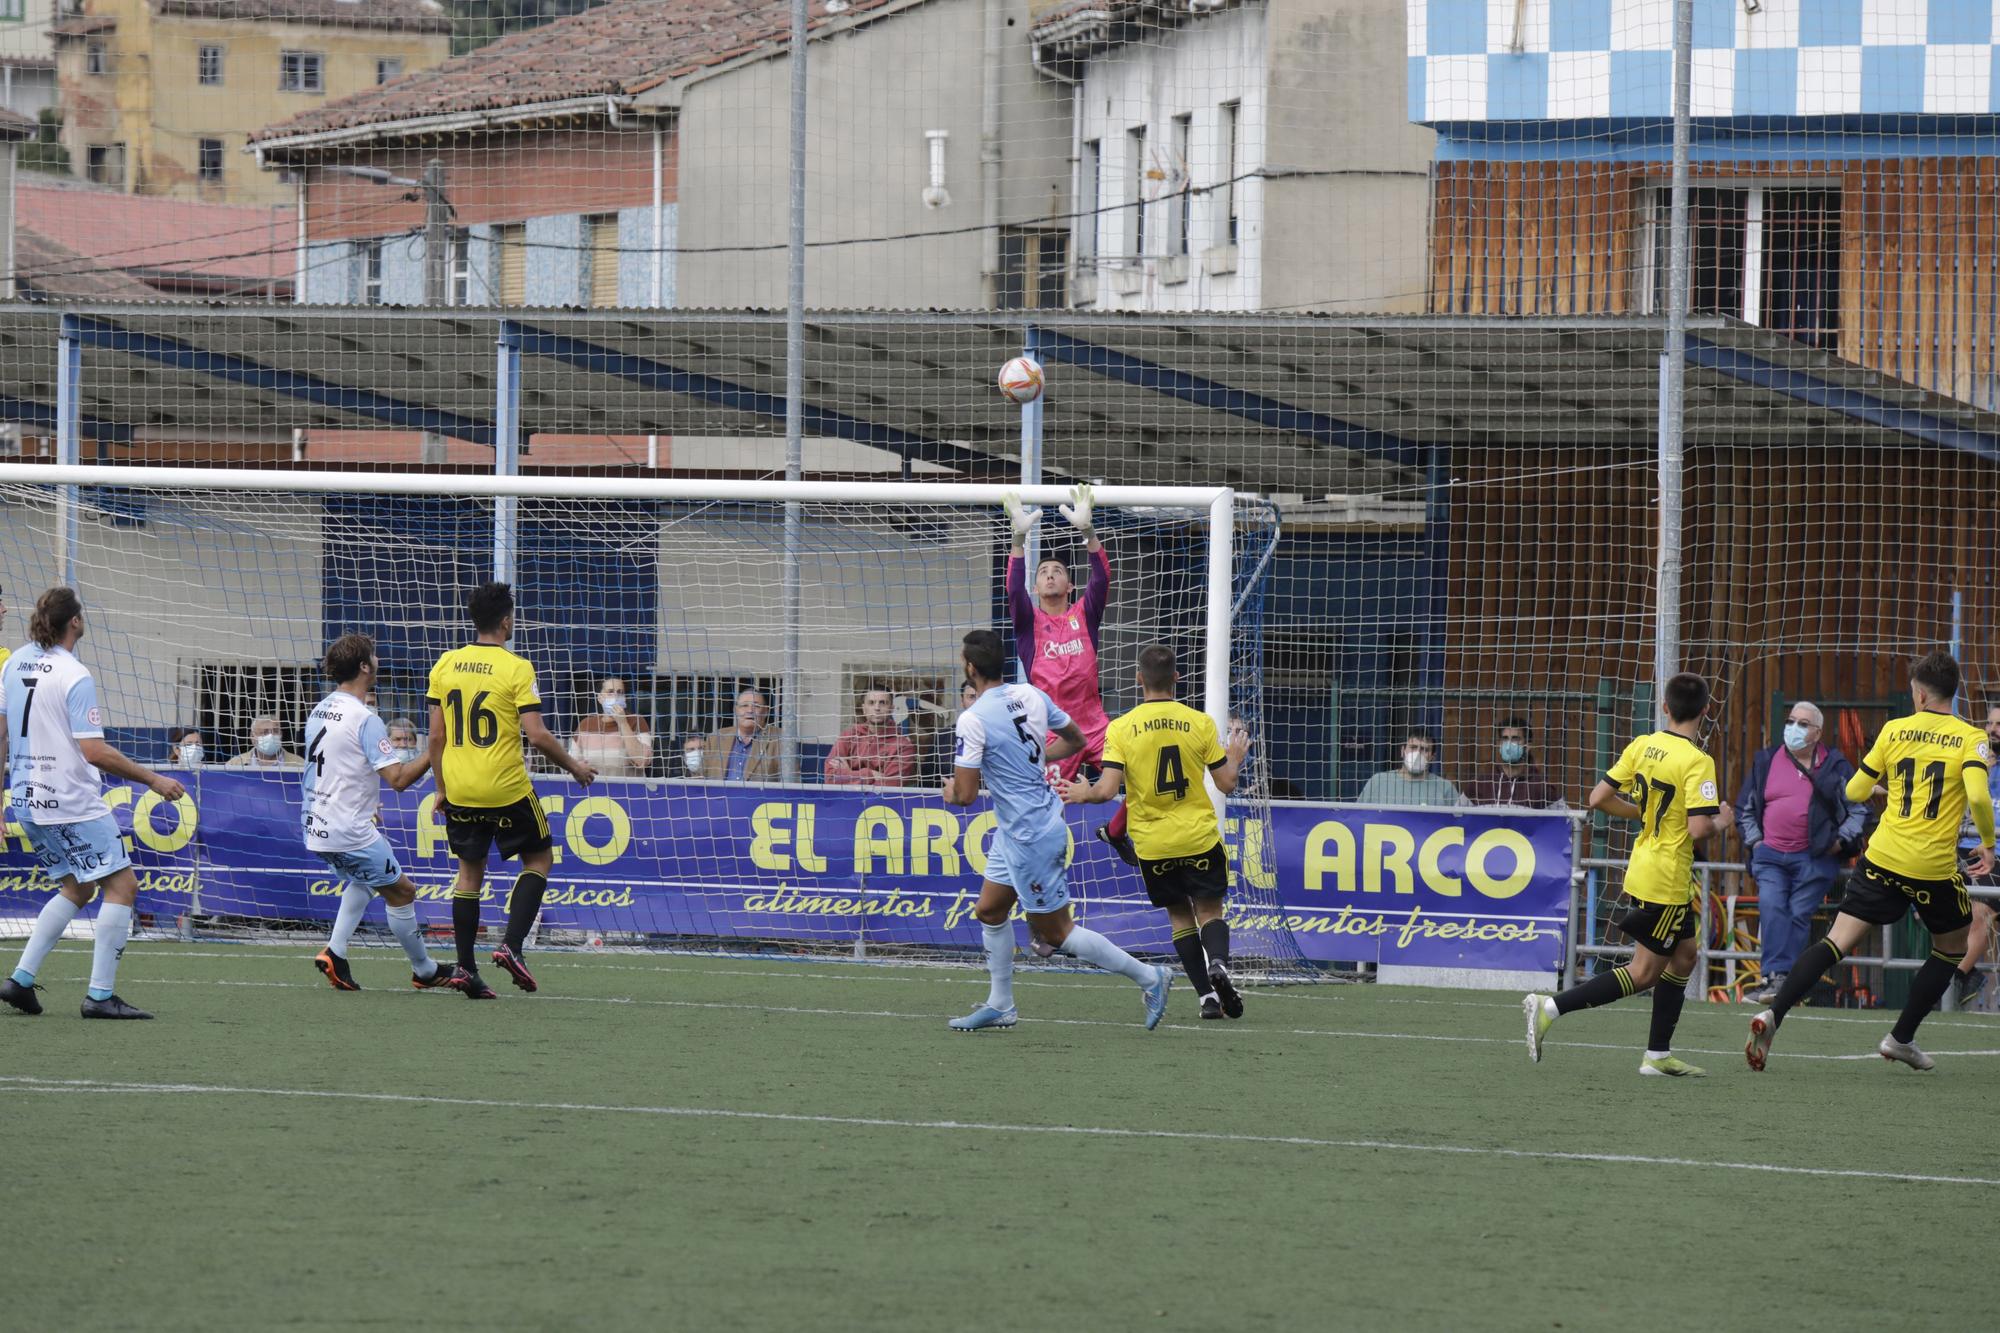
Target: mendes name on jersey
[
  {"x": 1922, "y": 759},
  {"x": 1163, "y": 748},
  {"x": 346, "y": 746},
  {"x": 1669, "y": 778},
  {"x": 482, "y": 690}
]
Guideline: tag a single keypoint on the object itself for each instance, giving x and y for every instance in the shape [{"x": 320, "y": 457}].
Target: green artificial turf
[{"x": 557, "y": 1205}]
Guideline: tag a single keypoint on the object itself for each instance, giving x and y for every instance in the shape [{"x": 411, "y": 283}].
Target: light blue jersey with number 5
[{"x": 1002, "y": 736}]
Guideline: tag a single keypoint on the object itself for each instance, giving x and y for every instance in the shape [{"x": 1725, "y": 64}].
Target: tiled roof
[
  {"x": 13, "y": 125},
  {"x": 53, "y": 269},
  {"x": 140, "y": 233},
  {"x": 401, "y": 15},
  {"x": 83, "y": 25},
  {"x": 618, "y": 49}
]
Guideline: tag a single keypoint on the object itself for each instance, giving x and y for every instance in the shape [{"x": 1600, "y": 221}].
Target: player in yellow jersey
[
  {"x": 1156, "y": 753},
  {"x": 1667, "y": 783},
  {"x": 1934, "y": 767},
  {"x": 483, "y": 701}
]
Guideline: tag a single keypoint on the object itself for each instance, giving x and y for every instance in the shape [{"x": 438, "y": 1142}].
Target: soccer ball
[{"x": 1021, "y": 380}]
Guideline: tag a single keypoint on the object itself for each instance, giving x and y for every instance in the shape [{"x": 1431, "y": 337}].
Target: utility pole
[{"x": 437, "y": 273}]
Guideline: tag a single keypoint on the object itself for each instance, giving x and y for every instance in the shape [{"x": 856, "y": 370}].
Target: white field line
[
  {"x": 865, "y": 973},
  {"x": 905, "y": 1016},
  {"x": 76, "y": 1087}
]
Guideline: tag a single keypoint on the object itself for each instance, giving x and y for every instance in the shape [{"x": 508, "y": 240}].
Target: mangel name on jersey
[
  {"x": 482, "y": 690},
  {"x": 346, "y": 746},
  {"x": 50, "y": 705}
]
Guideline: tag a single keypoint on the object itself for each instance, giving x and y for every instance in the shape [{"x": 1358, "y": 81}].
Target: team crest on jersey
[
  {"x": 1985, "y": 752},
  {"x": 1073, "y": 624},
  {"x": 1708, "y": 791},
  {"x": 96, "y": 717},
  {"x": 384, "y": 748}
]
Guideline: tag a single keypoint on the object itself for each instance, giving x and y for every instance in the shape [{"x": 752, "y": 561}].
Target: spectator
[
  {"x": 693, "y": 750},
  {"x": 1797, "y": 825},
  {"x": 747, "y": 752},
  {"x": 404, "y": 739},
  {"x": 1980, "y": 939},
  {"x": 1516, "y": 779},
  {"x": 184, "y": 748},
  {"x": 1412, "y": 783},
  {"x": 611, "y": 740},
  {"x": 267, "y": 752},
  {"x": 872, "y": 753}
]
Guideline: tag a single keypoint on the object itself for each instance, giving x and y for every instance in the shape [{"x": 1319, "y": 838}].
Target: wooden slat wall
[{"x": 1920, "y": 262}]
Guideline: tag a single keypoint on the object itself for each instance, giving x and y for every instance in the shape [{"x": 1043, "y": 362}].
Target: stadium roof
[{"x": 1273, "y": 403}]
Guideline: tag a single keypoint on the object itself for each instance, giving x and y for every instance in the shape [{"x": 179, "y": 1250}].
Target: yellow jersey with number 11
[
  {"x": 482, "y": 690},
  {"x": 1923, "y": 760},
  {"x": 1669, "y": 778}
]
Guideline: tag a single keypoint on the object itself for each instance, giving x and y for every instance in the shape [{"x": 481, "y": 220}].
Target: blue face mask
[
  {"x": 1512, "y": 752},
  {"x": 1795, "y": 736}
]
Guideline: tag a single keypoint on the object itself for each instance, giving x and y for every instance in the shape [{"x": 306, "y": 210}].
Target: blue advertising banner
[{"x": 1455, "y": 889}]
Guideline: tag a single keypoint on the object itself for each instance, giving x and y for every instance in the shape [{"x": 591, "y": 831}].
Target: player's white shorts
[
  {"x": 372, "y": 867},
  {"x": 91, "y": 850},
  {"x": 1036, "y": 870}
]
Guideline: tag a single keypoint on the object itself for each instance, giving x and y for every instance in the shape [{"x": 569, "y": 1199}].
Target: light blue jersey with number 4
[{"x": 1001, "y": 735}]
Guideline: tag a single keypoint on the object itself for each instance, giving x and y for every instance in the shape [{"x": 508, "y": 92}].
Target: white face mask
[
  {"x": 404, "y": 754},
  {"x": 1415, "y": 762},
  {"x": 191, "y": 756},
  {"x": 612, "y": 704},
  {"x": 693, "y": 760},
  {"x": 270, "y": 746}
]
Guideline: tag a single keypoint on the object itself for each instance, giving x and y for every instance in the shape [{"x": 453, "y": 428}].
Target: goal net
[{"x": 772, "y": 778}]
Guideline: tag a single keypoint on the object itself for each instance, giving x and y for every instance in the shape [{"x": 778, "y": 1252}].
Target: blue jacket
[{"x": 1832, "y": 821}]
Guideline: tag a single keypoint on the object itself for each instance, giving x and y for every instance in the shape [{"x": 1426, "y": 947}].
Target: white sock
[
  {"x": 114, "y": 925},
  {"x": 1093, "y": 948},
  {"x": 353, "y": 902},
  {"x": 403, "y": 923},
  {"x": 1658, "y": 1055},
  {"x": 999, "y": 964},
  {"x": 54, "y": 919}
]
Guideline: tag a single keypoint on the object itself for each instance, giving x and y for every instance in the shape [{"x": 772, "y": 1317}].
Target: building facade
[
  {"x": 161, "y": 96},
  {"x": 1240, "y": 154},
  {"x": 27, "y": 68}
]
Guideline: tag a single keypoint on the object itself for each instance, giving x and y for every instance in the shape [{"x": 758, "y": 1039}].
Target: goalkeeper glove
[
  {"x": 1077, "y": 511},
  {"x": 1022, "y": 517}
]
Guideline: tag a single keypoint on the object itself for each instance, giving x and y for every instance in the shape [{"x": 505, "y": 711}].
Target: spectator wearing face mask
[
  {"x": 267, "y": 752},
  {"x": 403, "y": 739},
  {"x": 185, "y": 749},
  {"x": 872, "y": 753},
  {"x": 1515, "y": 780},
  {"x": 1798, "y": 825},
  {"x": 694, "y": 750},
  {"x": 1411, "y": 782},
  {"x": 611, "y": 740}
]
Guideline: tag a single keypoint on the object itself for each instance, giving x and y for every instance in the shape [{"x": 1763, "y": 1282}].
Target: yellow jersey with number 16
[
  {"x": 482, "y": 690},
  {"x": 1922, "y": 760},
  {"x": 1669, "y": 778}
]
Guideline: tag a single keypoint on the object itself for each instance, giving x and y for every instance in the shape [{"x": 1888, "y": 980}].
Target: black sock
[
  {"x": 1215, "y": 940},
  {"x": 1818, "y": 960},
  {"x": 1600, "y": 989},
  {"x": 1194, "y": 960},
  {"x": 465, "y": 928},
  {"x": 1669, "y": 995},
  {"x": 1933, "y": 979},
  {"x": 524, "y": 904}
]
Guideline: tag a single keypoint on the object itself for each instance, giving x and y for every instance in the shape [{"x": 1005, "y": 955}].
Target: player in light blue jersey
[
  {"x": 56, "y": 755},
  {"x": 348, "y": 758},
  {"x": 1001, "y": 738}
]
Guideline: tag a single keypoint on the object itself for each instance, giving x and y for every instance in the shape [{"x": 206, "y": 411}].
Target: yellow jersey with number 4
[
  {"x": 1669, "y": 778},
  {"x": 483, "y": 689},
  {"x": 1922, "y": 759},
  {"x": 1163, "y": 748}
]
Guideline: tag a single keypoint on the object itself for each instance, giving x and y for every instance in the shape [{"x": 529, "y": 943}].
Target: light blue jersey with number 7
[{"x": 1001, "y": 735}]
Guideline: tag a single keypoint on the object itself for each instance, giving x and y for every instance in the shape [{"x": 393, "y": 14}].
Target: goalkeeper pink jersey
[{"x": 1060, "y": 651}]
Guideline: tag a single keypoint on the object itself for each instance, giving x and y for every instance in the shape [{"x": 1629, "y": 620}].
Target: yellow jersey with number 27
[
  {"x": 1669, "y": 778},
  {"x": 483, "y": 689}
]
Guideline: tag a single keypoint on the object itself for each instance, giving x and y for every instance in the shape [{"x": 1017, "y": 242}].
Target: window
[
  {"x": 1136, "y": 174},
  {"x": 388, "y": 69},
  {"x": 1034, "y": 269},
  {"x": 96, "y": 60},
  {"x": 301, "y": 72},
  {"x": 369, "y": 253},
  {"x": 458, "y": 267},
  {"x": 211, "y": 159},
  {"x": 513, "y": 242},
  {"x": 105, "y": 163},
  {"x": 1183, "y": 198},
  {"x": 1225, "y": 188},
  {"x": 13, "y": 11},
  {"x": 600, "y": 282},
  {"x": 1089, "y": 190},
  {"x": 209, "y": 67},
  {"x": 1766, "y": 256}
]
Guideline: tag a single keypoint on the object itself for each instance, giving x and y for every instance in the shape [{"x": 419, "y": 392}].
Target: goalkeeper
[{"x": 1057, "y": 639}]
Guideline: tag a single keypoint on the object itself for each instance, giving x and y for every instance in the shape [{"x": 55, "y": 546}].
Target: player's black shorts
[
  {"x": 1881, "y": 897},
  {"x": 1173, "y": 881},
  {"x": 516, "y": 829},
  {"x": 1660, "y": 927}
]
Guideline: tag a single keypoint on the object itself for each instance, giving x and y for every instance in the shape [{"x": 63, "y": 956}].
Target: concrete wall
[{"x": 875, "y": 90}]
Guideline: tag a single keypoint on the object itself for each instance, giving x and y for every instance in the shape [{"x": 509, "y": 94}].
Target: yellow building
[{"x": 158, "y": 96}]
